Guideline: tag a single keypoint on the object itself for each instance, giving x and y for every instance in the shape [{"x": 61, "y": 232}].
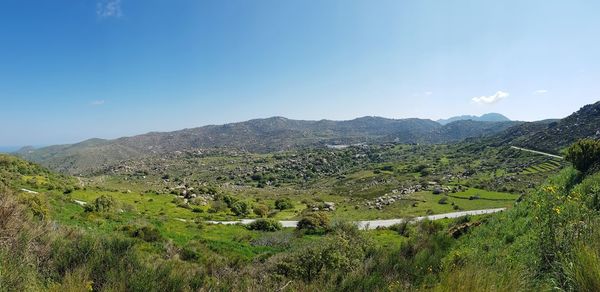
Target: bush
[
  {"x": 342, "y": 251},
  {"x": 229, "y": 200},
  {"x": 145, "y": 233},
  {"x": 180, "y": 202},
  {"x": 284, "y": 204},
  {"x": 217, "y": 206},
  {"x": 260, "y": 210},
  {"x": 401, "y": 228},
  {"x": 36, "y": 204},
  {"x": 584, "y": 154},
  {"x": 314, "y": 223},
  {"x": 281, "y": 240},
  {"x": 268, "y": 225},
  {"x": 104, "y": 203},
  {"x": 443, "y": 201},
  {"x": 240, "y": 208}
]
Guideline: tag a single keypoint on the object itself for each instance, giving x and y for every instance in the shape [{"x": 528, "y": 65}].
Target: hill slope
[
  {"x": 553, "y": 135},
  {"x": 261, "y": 135}
]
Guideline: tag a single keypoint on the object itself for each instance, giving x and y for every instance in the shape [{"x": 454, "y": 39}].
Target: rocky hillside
[
  {"x": 553, "y": 135},
  {"x": 260, "y": 136}
]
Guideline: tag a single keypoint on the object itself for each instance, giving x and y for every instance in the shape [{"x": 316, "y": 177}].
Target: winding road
[
  {"x": 537, "y": 152},
  {"x": 374, "y": 224}
]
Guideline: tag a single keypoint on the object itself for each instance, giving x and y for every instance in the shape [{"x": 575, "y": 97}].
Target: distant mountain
[
  {"x": 553, "y": 135},
  {"x": 260, "y": 135},
  {"x": 463, "y": 129},
  {"x": 491, "y": 117}
]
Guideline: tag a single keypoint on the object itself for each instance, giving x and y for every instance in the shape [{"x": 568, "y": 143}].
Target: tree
[
  {"x": 104, "y": 203},
  {"x": 260, "y": 210},
  {"x": 268, "y": 225},
  {"x": 314, "y": 223},
  {"x": 240, "y": 208},
  {"x": 584, "y": 154},
  {"x": 284, "y": 204}
]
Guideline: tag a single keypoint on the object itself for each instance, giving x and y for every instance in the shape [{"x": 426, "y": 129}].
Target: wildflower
[{"x": 89, "y": 285}]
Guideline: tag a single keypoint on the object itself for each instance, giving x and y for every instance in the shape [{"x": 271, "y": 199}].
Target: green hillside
[
  {"x": 255, "y": 136},
  {"x": 102, "y": 236}
]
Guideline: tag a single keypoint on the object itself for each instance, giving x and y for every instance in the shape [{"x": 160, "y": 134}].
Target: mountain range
[
  {"x": 260, "y": 135},
  {"x": 281, "y": 134},
  {"x": 491, "y": 117}
]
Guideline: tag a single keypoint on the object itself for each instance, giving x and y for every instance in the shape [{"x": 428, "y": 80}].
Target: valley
[
  {"x": 230, "y": 209},
  {"x": 283, "y": 146}
]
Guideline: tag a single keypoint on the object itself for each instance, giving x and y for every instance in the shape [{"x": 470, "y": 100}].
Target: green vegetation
[
  {"x": 268, "y": 225},
  {"x": 314, "y": 223},
  {"x": 584, "y": 154},
  {"x": 284, "y": 204},
  {"x": 122, "y": 232}
]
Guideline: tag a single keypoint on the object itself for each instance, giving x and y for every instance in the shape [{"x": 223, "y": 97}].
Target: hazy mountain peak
[{"x": 489, "y": 117}]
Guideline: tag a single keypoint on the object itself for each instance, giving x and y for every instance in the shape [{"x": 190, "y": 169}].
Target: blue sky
[{"x": 72, "y": 70}]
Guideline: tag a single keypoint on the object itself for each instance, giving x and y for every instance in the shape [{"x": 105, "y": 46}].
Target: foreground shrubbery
[
  {"x": 548, "y": 241},
  {"x": 34, "y": 256}
]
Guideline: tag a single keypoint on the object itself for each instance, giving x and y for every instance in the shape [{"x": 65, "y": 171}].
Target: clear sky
[{"x": 72, "y": 70}]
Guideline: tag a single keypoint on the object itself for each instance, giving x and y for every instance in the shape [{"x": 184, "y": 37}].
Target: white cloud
[
  {"x": 540, "y": 91},
  {"x": 491, "y": 99},
  {"x": 109, "y": 8},
  {"x": 97, "y": 102},
  {"x": 428, "y": 93}
]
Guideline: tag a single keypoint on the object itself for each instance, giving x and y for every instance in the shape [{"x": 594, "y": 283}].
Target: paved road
[
  {"x": 373, "y": 224},
  {"x": 29, "y": 191},
  {"x": 537, "y": 152}
]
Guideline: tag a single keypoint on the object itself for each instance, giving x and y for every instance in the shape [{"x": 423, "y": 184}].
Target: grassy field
[{"x": 185, "y": 227}]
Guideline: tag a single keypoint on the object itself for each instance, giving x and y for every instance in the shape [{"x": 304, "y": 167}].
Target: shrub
[
  {"x": 428, "y": 227},
  {"x": 260, "y": 210},
  {"x": 443, "y": 201},
  {"x": 145, "y": 233},
  {"x": 229, "y": 200},
  {"x": 268, "y": 225},
  {"x": 240, "y": 208},
  {"x": 284, "y": 204},
  {"x": 401, "y": 228},
  {"x": 37, "y": 205},
  {"x": 276, "y": 240},
  {"x": 342, "y": 251},
  {"x": 180, "y": 202},
  {"x": 217, "y": 206},
  {"x": 104, "y": 203},
  {"x": 88, "y": 208},
  {"x": 460, "y": 220},
  {"x": 314, "y": 223},
  {"x": 584, "y": 154}
]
